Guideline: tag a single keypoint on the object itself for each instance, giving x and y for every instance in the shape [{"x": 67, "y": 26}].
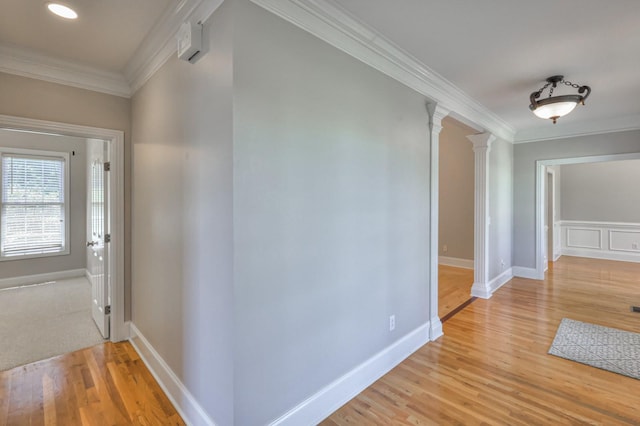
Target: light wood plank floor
[
  {"x": 454, "y": 288},
  {"x": 107, "y": 384},
  {"x": 491, "y": 366}
]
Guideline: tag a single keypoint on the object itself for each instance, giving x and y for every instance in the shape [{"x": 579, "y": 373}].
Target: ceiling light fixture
[
  {"x": 555, "y": 107},
  {"x": 62, "y": 10}
]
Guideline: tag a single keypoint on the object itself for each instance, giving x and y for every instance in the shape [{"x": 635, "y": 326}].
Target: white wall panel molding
[
  {"x": 32, "y": 64},
  {"x": 324, "y": 402},
  {"x": 601, "y": 240},
  {"x": 557, "y": 241},
  {"x": 186, "y": 404},
  {"x": 620, "y": 240},
  {"x": 334, "y": 25},
  {"x": 481, "y": 147},
  {"x": 584, "y": 238}
]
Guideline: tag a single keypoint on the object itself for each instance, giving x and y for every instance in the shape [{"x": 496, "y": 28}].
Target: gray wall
[
  {"x": 29, "y": 98},
  {"x": 77, "y": 203},
  {"x": 605, "y": 191},
  {"x": 182, "y": 218},
  {"x": 456, "y": 192},
  {"x": 500, "y": 207},
  {"x": 331, "y": 214},
  {"x": 525, "y": 156}
]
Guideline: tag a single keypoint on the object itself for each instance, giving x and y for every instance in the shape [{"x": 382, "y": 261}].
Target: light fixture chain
[
  {"x": 568, "y": 83},
  {"x": 539, "y": 92}
]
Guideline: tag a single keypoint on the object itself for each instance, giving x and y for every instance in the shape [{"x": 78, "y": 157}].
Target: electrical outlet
[
  {"x": 392, "y": 322},
  {"x": 502, "y": 264},
  {"x": 634, "y": 246},
  {"x": 445, "y": 248}
]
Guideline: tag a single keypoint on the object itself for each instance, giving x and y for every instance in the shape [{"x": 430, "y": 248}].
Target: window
[{"x": 33, "y": 204}]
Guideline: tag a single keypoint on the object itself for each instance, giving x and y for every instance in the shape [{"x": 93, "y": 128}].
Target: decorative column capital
[
  {"x": 436, "y": 113},
  {"x": 482, "y": 141}
]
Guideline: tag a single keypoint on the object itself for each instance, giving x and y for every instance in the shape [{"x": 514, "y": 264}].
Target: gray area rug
[
  {"x": 602, "y": 347},
  {"x": 41, "y": 321}
]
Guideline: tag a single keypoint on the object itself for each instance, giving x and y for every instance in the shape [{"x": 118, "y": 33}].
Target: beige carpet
[{"x": 41, "y": 321}]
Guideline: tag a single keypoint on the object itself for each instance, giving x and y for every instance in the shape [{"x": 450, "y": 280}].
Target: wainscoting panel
[
  {"x": 601, "y": 240},
  {"x": 584, "y": 238},
  {"x": 557, "y": 241},
  {"x": 624, "y": 241}
]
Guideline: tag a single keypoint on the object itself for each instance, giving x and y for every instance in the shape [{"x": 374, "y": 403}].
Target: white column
[
  {"x": 436, "y": 114},
  {"x": 481, "y": 147}
]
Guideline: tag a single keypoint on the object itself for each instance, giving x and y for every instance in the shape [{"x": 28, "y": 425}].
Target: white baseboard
[
  {"x": 606, "y": 255},
  {"x": 522, "y": 272},
  {"x": 184, "y": 402},
  {"x": 320, "y": 405},
  {"x": 435, "y": 331},
  {"x": 485, "y": 292},
  {"x": 40, "y": 278},
  {"x": 456, "y": 262},
  {"x": 501, "y": 280},
  {"x": 480, "y": 290}
]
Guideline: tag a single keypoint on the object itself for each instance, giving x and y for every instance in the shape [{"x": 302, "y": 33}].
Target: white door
[{"x": 98, "y": 230}]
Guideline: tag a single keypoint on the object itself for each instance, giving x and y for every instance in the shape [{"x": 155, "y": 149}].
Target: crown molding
[
  {"x": 160, "y": 43},
  {"x": 156, "y": 48},
  {"x": 32, "y": 64},
  {"x": 577, "y": 129},
  {"x": 335, "y": 26}
]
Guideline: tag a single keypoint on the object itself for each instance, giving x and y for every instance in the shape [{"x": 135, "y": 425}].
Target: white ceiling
[
  {"x": 497, "y": 51},
  {"x": 105, "y": 35}
]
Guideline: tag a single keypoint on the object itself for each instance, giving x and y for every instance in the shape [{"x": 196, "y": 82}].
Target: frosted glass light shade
[
  {"x": 558, "y": 109},
  {"x": 556, "y": 106}
]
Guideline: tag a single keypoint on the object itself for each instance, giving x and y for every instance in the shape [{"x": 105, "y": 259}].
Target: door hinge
[
  {"x": 107, "y": 166},
  {"x": 107, "y": 238},
  {"x": 107, "y": 310}
]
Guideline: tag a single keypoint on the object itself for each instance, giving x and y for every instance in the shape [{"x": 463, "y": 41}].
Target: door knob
[{"x": 91, "y": 243}]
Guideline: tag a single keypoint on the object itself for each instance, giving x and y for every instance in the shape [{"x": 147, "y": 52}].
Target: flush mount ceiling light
[
  {"x": 62, "y": 10},
  {"x": 555, "y": 107}
]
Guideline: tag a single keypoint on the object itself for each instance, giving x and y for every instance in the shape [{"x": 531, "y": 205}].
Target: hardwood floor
[
  {"x": 492, "y": 367},
  {"x": 454, "y": 288},
  {"x": 107, "y": 384}
]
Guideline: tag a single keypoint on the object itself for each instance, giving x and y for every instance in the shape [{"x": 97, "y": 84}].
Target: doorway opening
[
  {"x": 456, "y": 217},
  {"x": 113, "y": 303},
  {"x": 605, "y": 239}
]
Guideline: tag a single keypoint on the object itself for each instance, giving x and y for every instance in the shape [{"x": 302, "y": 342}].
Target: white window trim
[{"x": 40, "y": 153}]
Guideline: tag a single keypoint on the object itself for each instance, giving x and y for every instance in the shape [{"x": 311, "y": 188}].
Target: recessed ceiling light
[{"x": 62, "y": 10}]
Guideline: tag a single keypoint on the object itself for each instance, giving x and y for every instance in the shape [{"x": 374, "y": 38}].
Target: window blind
[{"x": 33, "y": 205}]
